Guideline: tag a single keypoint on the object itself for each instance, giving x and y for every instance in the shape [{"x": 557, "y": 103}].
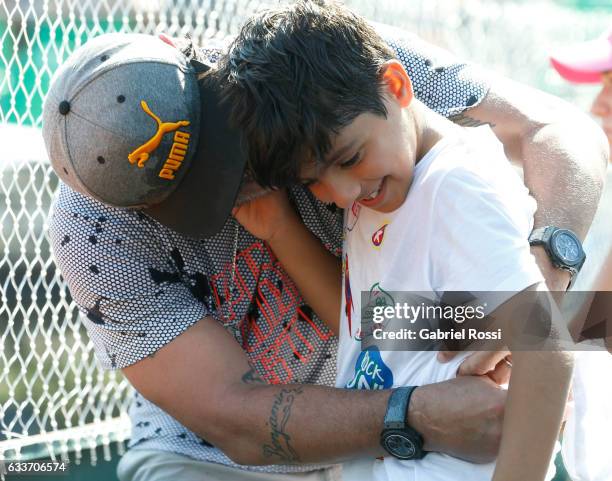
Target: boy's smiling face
[{"x": 372, "y": 159}]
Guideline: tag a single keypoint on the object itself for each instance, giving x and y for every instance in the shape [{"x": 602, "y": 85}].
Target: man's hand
[{"x": 468, "y": 428}]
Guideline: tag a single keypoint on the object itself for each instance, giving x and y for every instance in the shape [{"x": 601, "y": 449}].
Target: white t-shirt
[{"x": 464, "y": 226}]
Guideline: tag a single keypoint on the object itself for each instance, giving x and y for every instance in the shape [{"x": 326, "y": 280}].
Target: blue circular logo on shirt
[{"x": 371, "y": 372}]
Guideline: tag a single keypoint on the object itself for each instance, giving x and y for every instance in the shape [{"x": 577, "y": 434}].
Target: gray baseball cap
[{"x": 134, "y": 123}]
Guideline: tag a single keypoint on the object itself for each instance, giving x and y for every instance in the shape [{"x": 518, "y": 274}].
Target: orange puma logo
[{"x": 141, "y": 154}]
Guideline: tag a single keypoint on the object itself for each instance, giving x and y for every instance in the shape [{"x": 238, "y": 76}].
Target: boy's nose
[
  {"x": 602, "y": 105},
  {"x": 339, "y": 189}
]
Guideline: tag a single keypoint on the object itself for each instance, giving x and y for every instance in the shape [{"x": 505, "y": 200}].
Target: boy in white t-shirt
[{"x": 430, "y": 207}]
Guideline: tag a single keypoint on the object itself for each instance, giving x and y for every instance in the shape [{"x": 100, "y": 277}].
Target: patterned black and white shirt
[{"x": 139, "y": 284}]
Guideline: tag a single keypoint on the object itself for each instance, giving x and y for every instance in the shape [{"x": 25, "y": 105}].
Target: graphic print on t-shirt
[
  {"x": 379, "y": 235},
  {"x": 371, "y": 372},
  {"x": 377, "y": 297},
  {"x": 279, "y": 332}
]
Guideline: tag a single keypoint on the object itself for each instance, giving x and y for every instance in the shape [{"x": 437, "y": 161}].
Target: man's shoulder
[
  {"x": 69, "y": 206},
  {"x": 441, "y": 80},
  {"x": 94, "y": 244},
  {"x": 78, "y": 213},
  {"x": 136, "y": 285}
]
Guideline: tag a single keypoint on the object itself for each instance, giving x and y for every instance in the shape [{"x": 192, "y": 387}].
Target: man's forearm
[
  {"x": 295, "y": 424},
  {"x": 203, "y": 379}
]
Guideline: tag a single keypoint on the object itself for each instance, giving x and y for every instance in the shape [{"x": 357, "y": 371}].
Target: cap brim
[
  {"x": 584, "y": 62},
  {"x": 203, "y": 201}
]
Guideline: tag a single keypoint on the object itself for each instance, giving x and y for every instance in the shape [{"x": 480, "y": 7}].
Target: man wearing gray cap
[{"x": 233, "y": 369}]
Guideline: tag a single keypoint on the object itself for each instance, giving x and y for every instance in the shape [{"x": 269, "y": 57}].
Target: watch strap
[
  {"x": 540, "y": 236},
  {"x": 396, "y": 416}
]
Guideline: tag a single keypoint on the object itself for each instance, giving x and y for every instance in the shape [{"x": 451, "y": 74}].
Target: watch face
[
  {"x": 566, "y": 247},
  {"x": 400, "y": 446}
]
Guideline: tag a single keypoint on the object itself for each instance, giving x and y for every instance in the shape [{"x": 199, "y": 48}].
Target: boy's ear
[{"x": 398, "y": 82}]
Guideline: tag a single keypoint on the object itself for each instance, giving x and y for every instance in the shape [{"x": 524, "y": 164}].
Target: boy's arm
[
  {"x": 538, "y": 389},
  {"x": 536, "y": 401},
  {"x": 563, "y": 153},
  {"x": 316, "y": 272}
]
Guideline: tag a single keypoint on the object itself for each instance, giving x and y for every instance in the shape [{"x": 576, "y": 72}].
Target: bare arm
[
  {"x": 316, "y": 272},
  {"x": 203, "y": 379},
  {"x": 536, "y": 402},
  {"x": 563, "y": 153},
  {"x": 538, "y": 389}
]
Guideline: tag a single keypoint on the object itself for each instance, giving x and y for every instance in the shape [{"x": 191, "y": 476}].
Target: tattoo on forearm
[
  {"x": 467, "y": 121},
  {"x": 280, "y": 445},
  {"x": 251, "y": 377}
]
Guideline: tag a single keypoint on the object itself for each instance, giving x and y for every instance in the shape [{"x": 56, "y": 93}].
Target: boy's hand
[{"x": 267, "y": 216}]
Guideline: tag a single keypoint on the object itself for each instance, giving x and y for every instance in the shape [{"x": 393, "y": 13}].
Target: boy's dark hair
[{"x": 296, "y": 75}]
